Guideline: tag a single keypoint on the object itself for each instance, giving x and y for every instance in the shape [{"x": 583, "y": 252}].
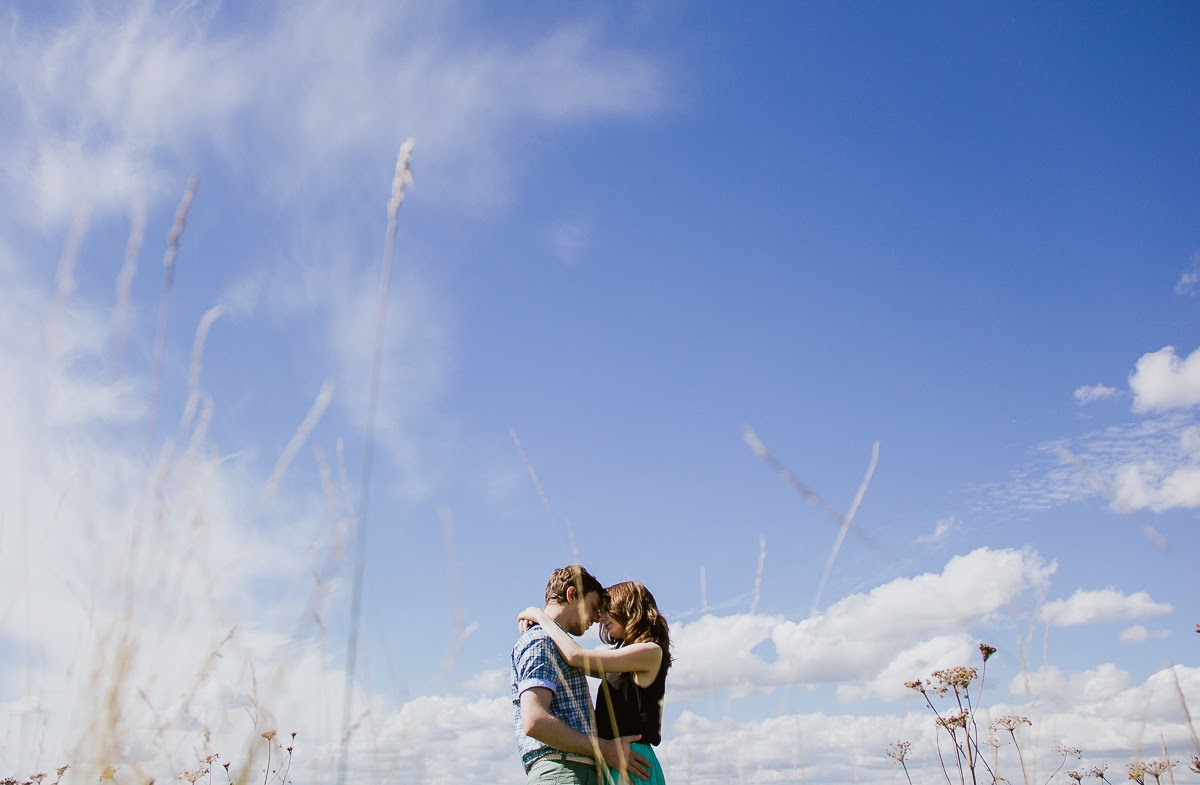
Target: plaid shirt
[{"x": 536, "y": 662}]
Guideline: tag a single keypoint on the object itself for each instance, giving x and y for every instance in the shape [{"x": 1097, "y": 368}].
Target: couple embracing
[{"x": 561, "y": 738}]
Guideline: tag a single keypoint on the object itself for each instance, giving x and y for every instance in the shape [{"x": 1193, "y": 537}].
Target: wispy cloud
[
  {"x": 941, "y": 530},
  {"x": 108, "y": 105},
  {"x": 568, "y": 239},
  {"x": 1189, "y": 279},
  {"x": 1090, "y": 394},
  {"x": 142, "y": 586},
  {"x": 1125, "y": 464}
]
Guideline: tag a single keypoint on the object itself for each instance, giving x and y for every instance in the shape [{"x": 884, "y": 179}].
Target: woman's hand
[{"x": 529, "y": 617}]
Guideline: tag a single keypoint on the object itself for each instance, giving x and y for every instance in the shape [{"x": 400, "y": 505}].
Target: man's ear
[{"x": 572, "y": 595}]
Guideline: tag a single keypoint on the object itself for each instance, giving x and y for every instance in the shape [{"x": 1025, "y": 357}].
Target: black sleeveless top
[{"x": 635, "y": 709}]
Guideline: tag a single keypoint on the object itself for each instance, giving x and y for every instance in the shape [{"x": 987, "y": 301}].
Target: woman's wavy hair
[{"x": 632, "y": 605}]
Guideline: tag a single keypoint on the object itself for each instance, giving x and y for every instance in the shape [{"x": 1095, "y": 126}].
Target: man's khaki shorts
[{"x": 562, "y": 772}]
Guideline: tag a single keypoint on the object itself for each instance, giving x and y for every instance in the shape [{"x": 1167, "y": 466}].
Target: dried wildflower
[
  {"x": 10, "y": 781},
  {"x": 1137, "y": 773},
  {"x": 1067, "y": 752},
  {"x": 1195, "y": 764},
  {"x": 959, "y": 678},
  {"x": 109, "y": 773},
  {"x": 226, "y": 765},
  {"x": 1157, "y": 768},
  {"x": 268, "y": 734},
  {"x": 916, "y": 684},
  {"x": 62, "y": 770},
  {"x": 1098, "y": 771},
  {"x": 958, "y": 720},
  {"x": 986, "y": 651},
  {"x": 38, "y": 777},
  {"x": 1011, "y": 722},
  {"x": 898, "y": 751},
  {"x": 1076, "y": 775}
]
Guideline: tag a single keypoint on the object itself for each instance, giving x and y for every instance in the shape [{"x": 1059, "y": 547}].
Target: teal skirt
[{"x": 656, "y": 772}]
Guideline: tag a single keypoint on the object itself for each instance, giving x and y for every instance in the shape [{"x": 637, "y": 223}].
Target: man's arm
[{"x": 538, "y": 722}]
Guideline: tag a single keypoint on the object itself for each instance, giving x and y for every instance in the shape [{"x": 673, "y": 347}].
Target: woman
[{"x": 633, "y": 672}]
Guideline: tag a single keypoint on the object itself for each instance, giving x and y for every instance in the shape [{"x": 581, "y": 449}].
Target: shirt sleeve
[{"x": 535, "y": 664}]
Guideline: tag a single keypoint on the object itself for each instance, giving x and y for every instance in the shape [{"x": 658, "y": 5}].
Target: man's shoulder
[{"x": 531, "y": 636}]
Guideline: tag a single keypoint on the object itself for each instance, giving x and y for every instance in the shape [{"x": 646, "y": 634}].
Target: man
[{"x": 552, "y": 710}]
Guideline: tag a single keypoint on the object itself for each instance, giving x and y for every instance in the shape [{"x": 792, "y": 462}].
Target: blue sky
[{"x": 635, "y": 235}]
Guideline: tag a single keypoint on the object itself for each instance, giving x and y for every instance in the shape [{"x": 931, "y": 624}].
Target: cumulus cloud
[
  {"x": 1162, "y": 381},
  {"x": 1100, "y": 709},
  {"x": 904, "y": 627},
  {"x": 1150, "y": 486},
  {"x": 1096, "y": 392},
  {"x": 1101, "y": 606}
]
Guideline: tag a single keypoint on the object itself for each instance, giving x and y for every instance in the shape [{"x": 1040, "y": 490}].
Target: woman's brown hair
[{"x": 632, "y": 606}]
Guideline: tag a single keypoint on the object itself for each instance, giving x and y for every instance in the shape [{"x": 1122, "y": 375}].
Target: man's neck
[{"x": 561, "y": 615}]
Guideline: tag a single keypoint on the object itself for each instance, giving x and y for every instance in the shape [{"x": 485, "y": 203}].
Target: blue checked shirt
[{"x": 536, "y": 662}]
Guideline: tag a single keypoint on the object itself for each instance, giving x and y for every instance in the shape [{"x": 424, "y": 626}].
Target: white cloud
[
  {"x": 1100, "y": 710},
  {"x": 144, "y": 593},
  {"x": 1162, "y": 381},
  {"x": 490, "y": 682},
  {"x": 568, "y": 239},
  {"x": 1149, "y": 486},
  {"x": 1139, "y": 634},
  {"x": 1156, "y": 486},
  {"x": 941, "y": 530},
  {"x": 1135, "y": 634},
  {"x": 125, "y": 558},
  {"x": 1057, "y": 687},
  {"x": 1096, "y": 392},
  {"x": 1070, "y": 470},
  {"x": 905, "y": 625},
  {"x": 1189, "y": 279},
  {"x": 1098, "y": 607},
  {"x": 111, "y": 103}
]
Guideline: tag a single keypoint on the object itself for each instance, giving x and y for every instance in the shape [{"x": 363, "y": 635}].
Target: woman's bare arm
[{"x": 641, "y": 659}]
